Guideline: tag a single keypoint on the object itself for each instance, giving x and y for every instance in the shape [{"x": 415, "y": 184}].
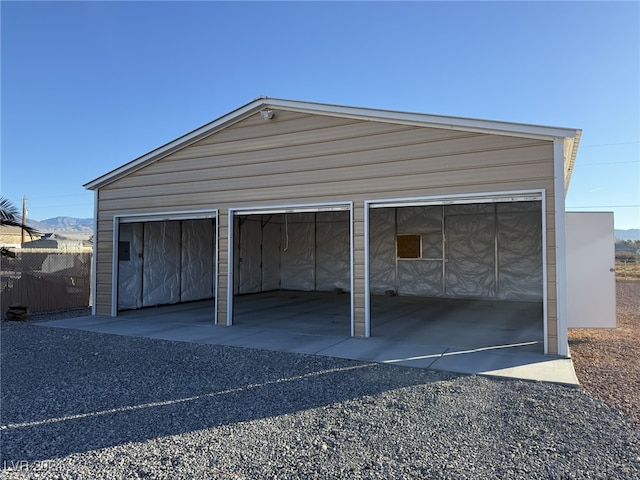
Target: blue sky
[{"x": 89, "y": 86}]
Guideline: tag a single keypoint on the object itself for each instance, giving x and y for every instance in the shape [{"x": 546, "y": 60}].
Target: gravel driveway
[{"x": 88, "y": 405}]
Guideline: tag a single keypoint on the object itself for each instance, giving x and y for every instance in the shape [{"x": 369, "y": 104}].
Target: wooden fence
[{"x": 46, "y": 280}]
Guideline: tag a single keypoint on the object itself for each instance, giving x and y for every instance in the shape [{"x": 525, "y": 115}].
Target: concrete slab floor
[
  {"x": 464, "y": 323},
  {"x": 502, "y": 339}
]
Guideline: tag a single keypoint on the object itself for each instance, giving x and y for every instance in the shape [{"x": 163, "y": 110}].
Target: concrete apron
[{"x": 498, "y": 339}]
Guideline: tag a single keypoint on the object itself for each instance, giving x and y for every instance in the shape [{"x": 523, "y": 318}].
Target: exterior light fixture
[{"x": 266, "y": 114}]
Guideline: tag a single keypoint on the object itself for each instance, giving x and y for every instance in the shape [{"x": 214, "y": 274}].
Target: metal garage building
[{"x": 364, "y": 205}]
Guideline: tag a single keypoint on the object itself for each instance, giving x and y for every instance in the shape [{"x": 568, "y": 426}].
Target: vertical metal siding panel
[
  {"x": 103, "y": 305},
  {"x": 103, "y": 241},
  {"x": 223, "y": 259},
  {"x": 359, "y": 329}
]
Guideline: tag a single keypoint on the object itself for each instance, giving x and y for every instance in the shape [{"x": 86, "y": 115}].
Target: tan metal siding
[
  {"x": 223, "y": 258},
  {"x": 380, "y": 161},
  {"x": 358, "y": 273},
  {"x": 337, "y": 182},
  {"x": 285, "y": 122},
  {"x": 338, "y": 135},
  {"x": 103, "y": 244},
  {"x": 299, "y": 158}
]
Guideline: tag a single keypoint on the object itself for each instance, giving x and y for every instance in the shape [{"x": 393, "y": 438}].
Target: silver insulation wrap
[
  {"x": 484, "y": 250},
  {"x": 297, "y": 251},
  {"x": 165, "y": 262}
]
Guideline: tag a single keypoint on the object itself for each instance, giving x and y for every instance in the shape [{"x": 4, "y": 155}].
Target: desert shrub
[
  {"x": 622, "y": 255},
  {"x": 628, "y": 270}
]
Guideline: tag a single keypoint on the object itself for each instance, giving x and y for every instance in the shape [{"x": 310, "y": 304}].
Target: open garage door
[
  {"x": 454, "y": 271},
  {"x": 165, "y": 262},
  {"x": 287, "y": 262}
]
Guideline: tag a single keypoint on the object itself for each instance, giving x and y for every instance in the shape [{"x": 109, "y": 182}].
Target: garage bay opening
[
  {"x": 465, "y": 274},
  {"x": 167, "y": 263},
  {"x": 292, "y": 269}
]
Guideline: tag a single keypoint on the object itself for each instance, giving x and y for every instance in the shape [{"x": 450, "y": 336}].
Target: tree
[{"x": 9, "y": 218}]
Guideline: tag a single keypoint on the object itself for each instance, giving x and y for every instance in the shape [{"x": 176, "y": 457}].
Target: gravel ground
[
  {"x": 607, "y": 361},
  {"x": 87, "y": 405}
]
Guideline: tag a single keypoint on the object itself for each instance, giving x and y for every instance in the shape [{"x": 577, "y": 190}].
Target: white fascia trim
[
  {"x": 452, "y": 199},
  {"x": 545, "y": 289},
  {"x": 167, "y": 216},
  {"x": 352, "y": 270},
  {"x": 294, "y": 208},
  {"x": 570, "y": 152},
  {"x": 114, "y": 266},
  {"x": 230, "y": 243},
  {"x": 367, "y": 293},
  {"x": 94, "y": 260},
  {"x": 426, "y": 120},
  {"x": 561, "y": 247},
  {"x": 216, "y": 264}
]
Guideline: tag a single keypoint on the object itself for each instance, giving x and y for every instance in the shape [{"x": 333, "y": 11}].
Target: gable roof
[{"x": 571, "y": 136}]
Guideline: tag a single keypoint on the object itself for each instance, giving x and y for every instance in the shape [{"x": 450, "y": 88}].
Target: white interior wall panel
[
  {"x": 298, "y": 252},
  {"x": 419, "y": 219},
  {"x": 480, "y": 250},
  {"x": 483, "y": 250},
  {"x": 130, "y": 270},
  {"x": 520, "y": 273},
  {"x": 421, "y": 276},
  {"x": 333, "y": 259},
  {"x": 382, "y": 250},
  {"x": 198, "y": 247},
  {"x": 270, "y": 252},
  {"x": 470, "y": 256},
  {"x": 249, "y": 276},
  {"x": 295, "y": 251},
  {"x": 168, "y": 262},
  {"x": 161, "y": 272}
]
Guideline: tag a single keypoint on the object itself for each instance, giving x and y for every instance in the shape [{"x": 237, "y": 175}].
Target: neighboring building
[
  {"x": 11, "y": 237},
  {"x": 59, "y": 242},
  {"x": 50, "y": 272},
  {"x": 292, "y": 195},
  {"x": 627, "y": 248}
]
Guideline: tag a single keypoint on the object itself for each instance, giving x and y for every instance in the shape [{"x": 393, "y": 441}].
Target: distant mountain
[
  {"x": 62, "y": 224},
  {"x": 631, "y": 234},
  {"x": 39, "y": 226},
  {"x": 69, "y": 223}
]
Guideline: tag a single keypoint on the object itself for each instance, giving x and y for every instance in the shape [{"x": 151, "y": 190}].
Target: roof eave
[
  {"x": 571, "y": 153},
  {"x": 425, "y": 120}
]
